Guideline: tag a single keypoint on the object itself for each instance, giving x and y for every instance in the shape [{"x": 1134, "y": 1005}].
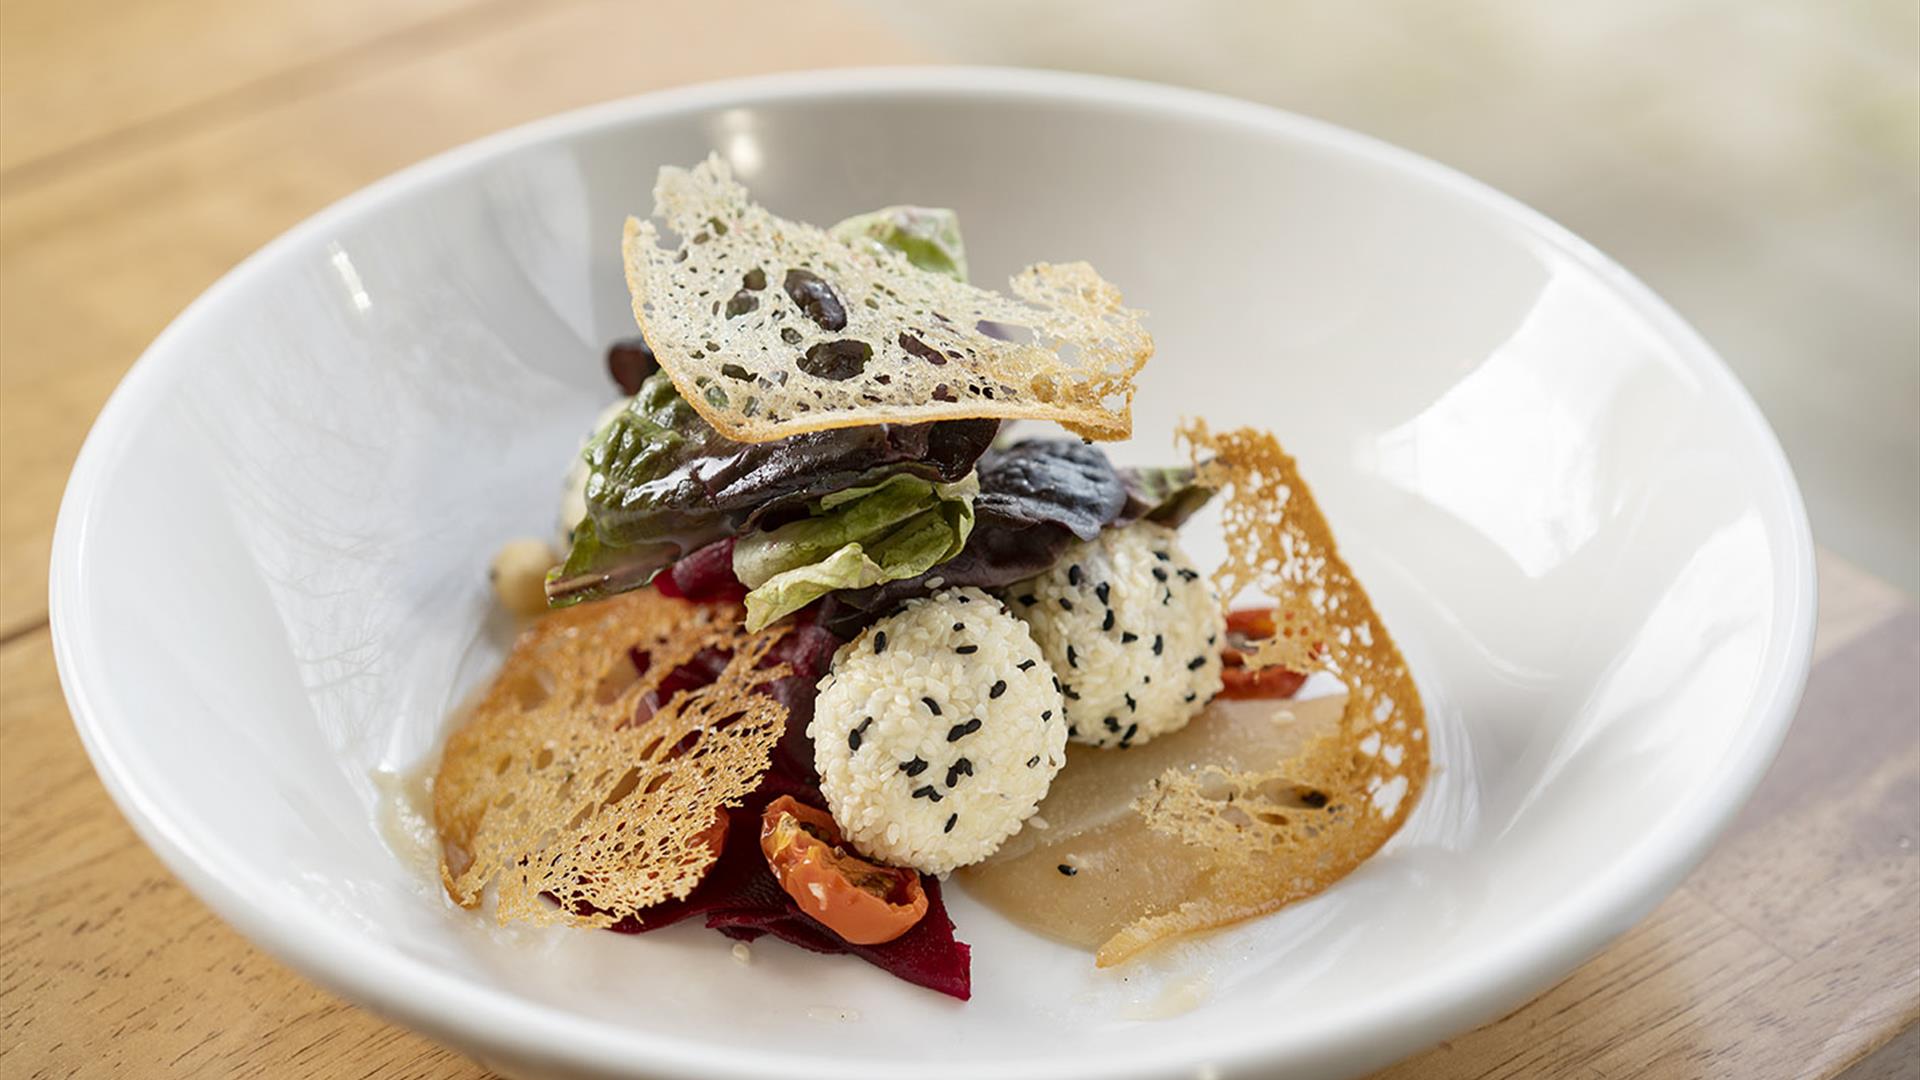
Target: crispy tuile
[
  {"x": 1285, "y": 833},
  {"x": 746, "y": 357},
  {"x": 551, "y": 789}
]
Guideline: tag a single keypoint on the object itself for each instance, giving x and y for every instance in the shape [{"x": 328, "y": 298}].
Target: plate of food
[{"x": 975, "y": 572}]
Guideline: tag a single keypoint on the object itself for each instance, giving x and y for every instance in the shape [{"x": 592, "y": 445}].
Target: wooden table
[{"x": 147, "y": 147}]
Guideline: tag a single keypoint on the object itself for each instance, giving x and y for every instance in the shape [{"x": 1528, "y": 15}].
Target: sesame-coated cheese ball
[
  {"x": 937, "y": 732},
  {"x": 1132, "y": 629}
]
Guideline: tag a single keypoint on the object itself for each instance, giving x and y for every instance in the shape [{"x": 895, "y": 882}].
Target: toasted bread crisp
[
  {"x": 771, "y": 327},
  {"x": 553, "y": 789},
  {"x": 1285, "y": 833}
]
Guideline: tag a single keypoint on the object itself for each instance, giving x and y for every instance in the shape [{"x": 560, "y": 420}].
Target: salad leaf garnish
[
  {"x": 1061, "y": 482},
  {"x": 1036, "y": 498},
  {"x": 1165, "y": 495},
  {"x": 665, "y": 483},
  {"x": 928, "y": 237},
  {"x": 853, "y": 539}
]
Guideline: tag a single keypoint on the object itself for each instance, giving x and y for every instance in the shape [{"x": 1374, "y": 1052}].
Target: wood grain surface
[{"x": 147, "y": 147}]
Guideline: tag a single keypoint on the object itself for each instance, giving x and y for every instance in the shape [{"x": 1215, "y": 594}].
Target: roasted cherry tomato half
[
  {"x": 1241, "y": 682},
  {"x": 863, "y": 902}
]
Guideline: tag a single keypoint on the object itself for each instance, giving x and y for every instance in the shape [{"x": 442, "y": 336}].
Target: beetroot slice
[
  {"x": 741, "y": 898},
  {"x": 926, "y": 955},
  {"x": 705, "y": 576}
]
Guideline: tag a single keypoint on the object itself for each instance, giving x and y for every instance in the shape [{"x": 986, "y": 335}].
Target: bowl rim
[{"x": 1384, "y": 1027}]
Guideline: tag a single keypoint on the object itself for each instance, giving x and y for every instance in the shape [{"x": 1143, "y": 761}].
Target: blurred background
[{"x": 1756, "y": 161}]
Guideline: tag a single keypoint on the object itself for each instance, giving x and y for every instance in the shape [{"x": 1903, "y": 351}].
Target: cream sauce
[{"x": 1121, "y": 869}]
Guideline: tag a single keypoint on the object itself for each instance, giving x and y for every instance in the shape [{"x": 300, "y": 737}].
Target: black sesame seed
[
  {"x": 1211, "y": 638},
  {"x": 1131, "y": 705},
  {"x": 1069, "y": 694},
  {"x": 999, "y": 687},
  {"x": 1113, "y": 723},
  {"x": 1158, "y": 644},
  {"x": 1032, "y": 761},
  {"x": 1128, "y": 637},
  {"x": 1068, "y": 870},
  {"x": 966, "y": 650},
  {"x": 853, "y": 737},
  {"x": 1056, "y": 685},
  {"x": 1102, "y": 590},
  {"x": 1190, "y": 697},
  {"x": 1186, "y": 575},
  {"x": 914, "y": 767},
  {"x": 925, "y": 791},
  {"x": 964, "y": 598},
  {"x": 879, "y": 642},
  {"x": 1028, "y": 599},
  {"x": 958, "y": 769},
  {"x": 959, "y": 626},
  {"x": 1073, "y": 729},
  {"x": 1026, "y": 665},
  {"x": 1107, "y": 623},
  {"x": 932, "y": 705},
  {"x": 1159, "y": 573},
  {"x": 1127, "y": 736},
  {"x": 961, "y": 731},
  {"x": 951, "y": 818},
  {"x": 1196, "y": 663},
  {"x": 1046, "y": 714},
  {"x": 1073, "y": 659},
  {"x": 1066, "y": 604},
  {"x": 1073, "y": 575},
  {"x": 1161, "y": 555}
]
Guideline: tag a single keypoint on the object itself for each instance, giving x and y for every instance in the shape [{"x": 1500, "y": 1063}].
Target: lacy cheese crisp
[
  {"x": 1281, "y": 834},
  {"x": 771, "y": 327},
  {"x": 553, "y": 788}
]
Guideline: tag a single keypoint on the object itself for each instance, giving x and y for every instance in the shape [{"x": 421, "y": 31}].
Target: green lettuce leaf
[
  {"x": 858, "y": 537},
  {"x": 1168, "y": 495},
  {"x": 929, "y": 238}
]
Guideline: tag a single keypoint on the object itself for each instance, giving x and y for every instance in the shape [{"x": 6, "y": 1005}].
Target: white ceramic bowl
[{"x": 268, "y": 582}]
